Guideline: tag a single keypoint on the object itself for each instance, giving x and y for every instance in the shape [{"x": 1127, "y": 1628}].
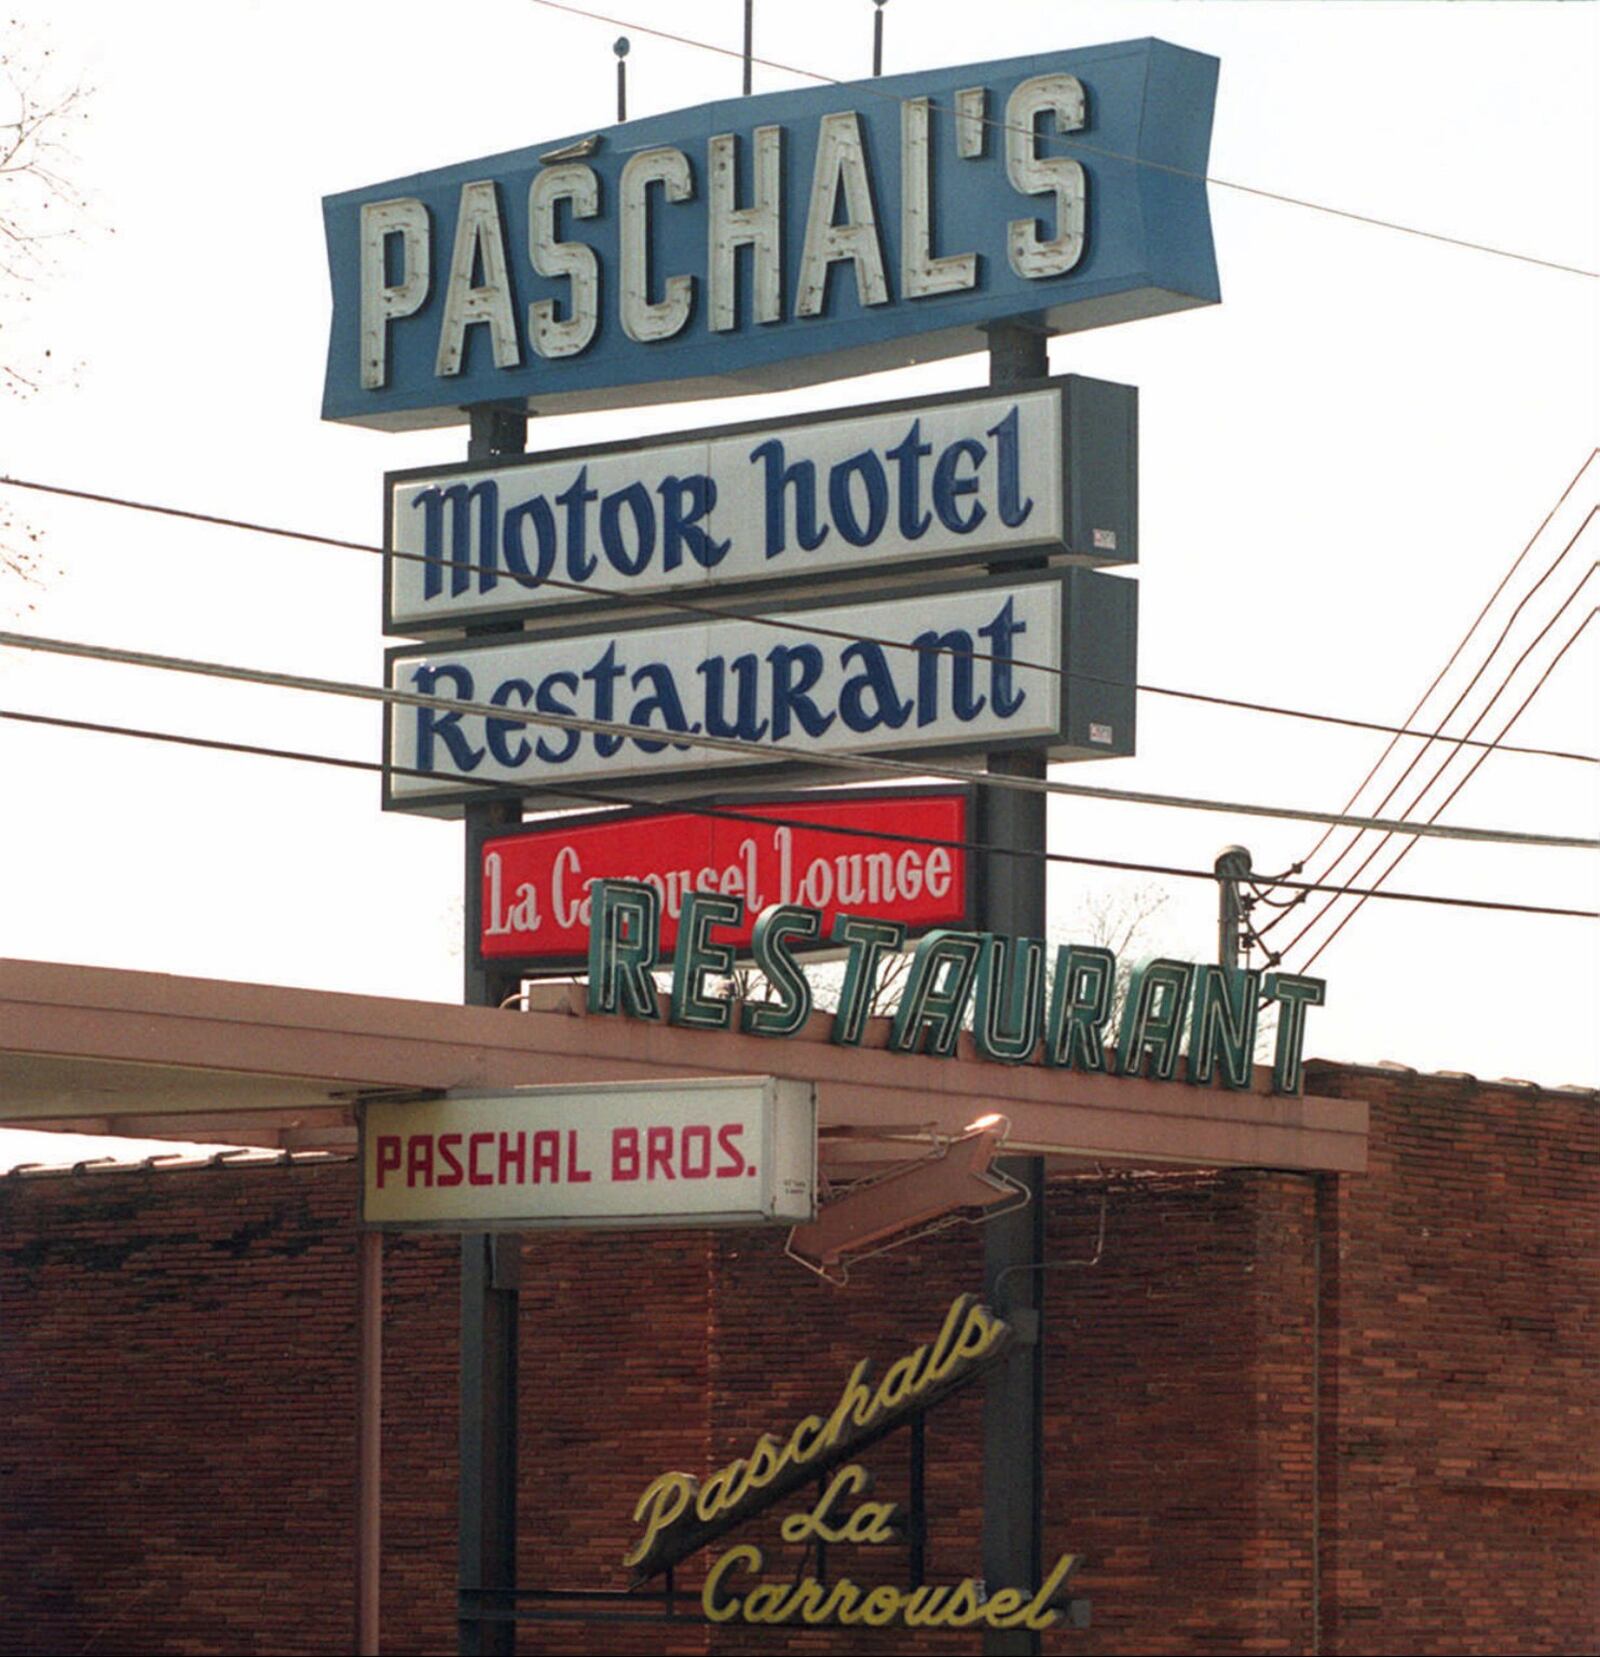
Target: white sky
[{"x": 1338, "y": 464}]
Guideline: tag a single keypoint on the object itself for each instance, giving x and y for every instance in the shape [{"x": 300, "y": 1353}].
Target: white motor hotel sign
[
  {"x": 1049, "y": 471},
  {"x": 725, "y": 1151}
]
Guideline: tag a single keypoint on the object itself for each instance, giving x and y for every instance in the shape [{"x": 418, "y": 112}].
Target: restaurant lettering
[
  {"x": 1026, "y": 1006},
  {"x": 938, "y": 670}
]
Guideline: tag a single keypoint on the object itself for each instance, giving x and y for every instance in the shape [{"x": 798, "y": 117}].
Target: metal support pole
[
  {"x": 1011, "y": 900},
  {"x": 1232, "y": 865},
  {"x": 489, "y": 1280},
  {"x": 917, "y": 1524},
  {"x": 877, "y": 36},
  {"x": 489, "y": 1261},
  {"x": 749, "y": 42},
  {"x": 369, "y": 1436},
  {"x": 621, "y": 49}
]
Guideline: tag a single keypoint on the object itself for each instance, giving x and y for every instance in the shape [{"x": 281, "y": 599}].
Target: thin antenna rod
[
  {"x": 877, "y": 37},
  {"x": 749, "y": 41},
  {"x": 621, "y": 49}
]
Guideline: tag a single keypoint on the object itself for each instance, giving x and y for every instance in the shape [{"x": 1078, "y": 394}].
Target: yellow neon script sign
[
  {"x": 868, "y": 1522},
  {"x": 680, "y": 1514},
  {"x": 849, "y": 1604}
]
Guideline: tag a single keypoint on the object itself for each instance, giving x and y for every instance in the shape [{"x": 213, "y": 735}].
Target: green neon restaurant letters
[{"x": 1017, "y": 1017}]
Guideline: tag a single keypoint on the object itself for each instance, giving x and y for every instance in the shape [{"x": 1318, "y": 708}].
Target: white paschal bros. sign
[
  {"x": 725, "y": 1151},
  {"x": 902, "y": 486}
]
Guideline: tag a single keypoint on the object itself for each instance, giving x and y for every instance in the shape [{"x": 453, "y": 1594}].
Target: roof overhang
[{"x": 102, "y": 1050}]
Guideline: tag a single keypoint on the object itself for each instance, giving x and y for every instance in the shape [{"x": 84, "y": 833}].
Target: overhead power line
[
  {"x": 1444, "y": 765},
  {"x": 1471, "y": 685},
  {"x": 1397, "y": 731},
  {"x": 833, "y": 759},
  {"x": 1538, "y": 685},
  {"x": 1438, "y": 733},
  {"x": 762, "y": 818},
  {"x": 1477, "y": 621},
  {"x": 1505, "y": 683},
  {"x": 1071, "y": 142},
  {"x": 1400, "y": 856},
  {"x": 667, "y": 601}
]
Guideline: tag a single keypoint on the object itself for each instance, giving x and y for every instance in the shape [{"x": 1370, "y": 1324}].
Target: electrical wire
[
  {"x": 1396, "y": 731},
  {"x": 1437, "y": 733},
  {"x": 1477, "y": 621},
  {"x": 1472, "y": 683},
  {"x": 1262, "y": 892},
  {"x": 1073, "y": 143},
  {"x": 874, "y": 765},
  {"x": 1422, "y": 792},
  {"x": 1400, "y": 856},
  {"x": 764, "y": 819},
  {"x": 1333, "y": 820},
  {"x": 656, "y": 602}
]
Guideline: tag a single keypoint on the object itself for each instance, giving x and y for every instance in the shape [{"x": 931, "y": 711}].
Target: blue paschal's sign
[{"x": 778, "y": 241}]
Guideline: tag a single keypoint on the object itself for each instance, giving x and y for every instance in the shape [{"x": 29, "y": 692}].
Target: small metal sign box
[
  {"x": 724, "y": 1151},
  {"x": 837, "y": 851},
  {"x": 1048, "y": 470}
]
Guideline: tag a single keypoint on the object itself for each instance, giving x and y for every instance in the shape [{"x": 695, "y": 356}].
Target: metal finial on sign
[
  {"x": 749, "y": 41},
  {"x": 877, "y": 36},
  {"x": 573, "y": 152},
  {"x": 621, "y": 49}
]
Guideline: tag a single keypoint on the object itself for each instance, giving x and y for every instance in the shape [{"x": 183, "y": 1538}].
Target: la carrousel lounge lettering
[
  {"x": 1174, "y": 1009},
  {"x": 680, "y": 1513}
]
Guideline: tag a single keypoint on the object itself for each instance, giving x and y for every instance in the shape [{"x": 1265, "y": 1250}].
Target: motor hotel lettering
[
  {"x": 778, "y": 240},
  {"x": 766, "y": 505},
  {"x": 1049, "y": 471}
]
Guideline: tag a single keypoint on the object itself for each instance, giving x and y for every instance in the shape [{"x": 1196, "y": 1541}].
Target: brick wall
[
  {"x": 176, "y": 1374},
  {"x": 1465, "y": 1455},
  {"x": 176, "y": 1382}
]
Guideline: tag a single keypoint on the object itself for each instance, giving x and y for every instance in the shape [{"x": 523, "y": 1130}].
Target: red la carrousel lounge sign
[{"x": 873, "y": 852}]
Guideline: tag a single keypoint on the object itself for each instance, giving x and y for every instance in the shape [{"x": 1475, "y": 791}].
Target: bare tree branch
[{"x": 40, "y": 208}]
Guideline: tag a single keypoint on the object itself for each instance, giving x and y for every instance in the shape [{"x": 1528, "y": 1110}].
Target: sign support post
[
  {"x": 1011, "y": 901},
  {"x": 490, "y": 1261},
  {"x": 1232, "y": 866}
]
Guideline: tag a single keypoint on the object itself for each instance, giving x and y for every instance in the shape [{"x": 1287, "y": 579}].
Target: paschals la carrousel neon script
[
  {"x": 679, "y": 1513},
  {"x": 1017, "y": 1017}
]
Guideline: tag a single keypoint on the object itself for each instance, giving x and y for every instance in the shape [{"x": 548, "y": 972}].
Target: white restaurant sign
[
  {"x": 1045, "y": 661},
  {"x": 724, "y": 1151},
  {"x": 894, "y": 488}
]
